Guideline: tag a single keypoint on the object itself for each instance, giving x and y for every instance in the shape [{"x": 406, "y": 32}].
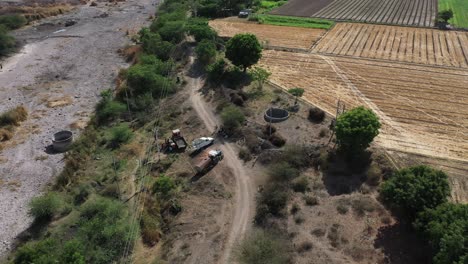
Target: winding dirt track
[{"x": 244, "y": 191}]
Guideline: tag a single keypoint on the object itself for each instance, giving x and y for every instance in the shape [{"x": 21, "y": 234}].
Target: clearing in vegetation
[
  {"x": 460, "y": 11},
  {"x": 400, "y": 12},
  {"x": 276, "y": 36},
  {"x": 294, "y": 21},
  {"x": 422, "y": 109},
  {"x": 405, "y": 44}
]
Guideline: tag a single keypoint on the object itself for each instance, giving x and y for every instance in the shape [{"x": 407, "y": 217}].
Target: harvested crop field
[
  {"x": 275, "y": 36},
  {"x": 405, "y": 44},
  {"x": 423, "y": 109},
  {"x": 400, "y": 12}
]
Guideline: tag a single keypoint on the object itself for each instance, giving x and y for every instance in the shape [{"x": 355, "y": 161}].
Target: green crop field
[
  {"x": 295, "y": 21},
  {"x": 460, "y": 11}
]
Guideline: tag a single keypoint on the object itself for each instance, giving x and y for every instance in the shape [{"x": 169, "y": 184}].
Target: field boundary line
[{"x": 391, "y": 61}]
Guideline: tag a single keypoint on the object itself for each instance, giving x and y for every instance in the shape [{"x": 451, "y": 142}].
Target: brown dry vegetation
[
  {"x": 404, "y": 44},
  {"x": 273, "y": 36}
]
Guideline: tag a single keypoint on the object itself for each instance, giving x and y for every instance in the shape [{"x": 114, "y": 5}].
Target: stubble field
[
  {"x": 423, "y": 109},
  {"x": 272, "y": 36},
  {"x": 404, "y": 44}
]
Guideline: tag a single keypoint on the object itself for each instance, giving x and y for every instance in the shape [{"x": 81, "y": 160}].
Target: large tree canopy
[
  {"x": 414, "y": 189},
  {"x": 244, "y": 50},
  {"x": 356, "y": 129},
  {"x": 446, "y": 228}
]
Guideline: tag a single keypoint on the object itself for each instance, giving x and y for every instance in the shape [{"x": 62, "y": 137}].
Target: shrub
[
  {"x": 13, "y": 116},
  {"x": 282, "y": 171},
  {"x": 295, "y": 208},
  {"x": 260, "y": 75},
  {"x": 296, "y": 155},
  {"x": 173, "y": 31},
  {"x": 356, "y": 129},
  {"x": 120, "y": 134},
  {"x": 311, "y": 200},
  {"x": 300, "y": 184},
  {"x": 415, "y": 189},
  {"x": 104, "y": 225},
  {"x": 271, "y": 202},
  {"x": 244, "y": 154},
  {"x": 108, "y": 109},
  {"x": 153, "y": 44},
  {"x": 343, "y": 206},
  {"x": 299, "y": 220},
  {"x": 150, "y": 229},
  {"x": 201, "y": 30},
  {"x": 13, "y": 21},
  {"x": 206, "y": 51},
  {"x": 81, "y": 193},
  {"x": 163, "y": 186},
  {"x": 316, "y": 115},
  {"x": 277, "y": 140},
  {"x": 112, "y": 191},
  {"x": 143, "y": 79},
  {"x": 216, "y": 71},
  {"x": 45, "y": 207},
  {"x": 232, "y": 117},
  {"x": 362, "y": 205},
  {"x": 374, "y": 174},
  {"x": 261, "y": 248},
  {"x": 7, "y": 42},
  {"x": 304, "y": 246},
  {"x": 37, "y": 252}
]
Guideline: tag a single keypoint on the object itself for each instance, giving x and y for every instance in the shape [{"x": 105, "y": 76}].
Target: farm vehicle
[
  {"x": 177, "y": 143},
  {"x": 208, "y": 160}
]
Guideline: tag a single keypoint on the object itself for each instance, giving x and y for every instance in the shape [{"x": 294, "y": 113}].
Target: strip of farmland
[
  {"x": 423, "y": 109},
  {"x": 276, "y": 36},
  {"x": 404, "y": 44},
  {"x": 398, "y": 12}
]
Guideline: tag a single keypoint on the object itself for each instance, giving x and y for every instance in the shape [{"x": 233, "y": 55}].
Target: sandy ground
[
  {"x": 57, "y": 64},
  {"x": 214, "y": 243}
]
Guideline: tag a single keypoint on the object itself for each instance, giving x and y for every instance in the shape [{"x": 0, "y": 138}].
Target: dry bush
[
  {"x": 300, "y": 184},
  {"x": 374, "y": 174},
  {"x": 386, "y": 220},
  {"x": 323, "y": 132},
  {"x": 316, "y": 115},
  {"x": 5, "y": 134},
  {"x": 318, "y": 232},
  {"x": 311, "y": 200},
  {"x": 334, "y": 236},
  {"x": 364, "y": 204},
  {"x": 299, "y": 220},
  {"x": 277, "y": 140},
  {"x": 343, "y": 206},
  {"x": 304, "y": 246},
  {"x": 244, "y": 154},
  {"x": 13, "y": 116},
  {"x": 133, "y": 149},
  {"x": 295, "y": 208}
]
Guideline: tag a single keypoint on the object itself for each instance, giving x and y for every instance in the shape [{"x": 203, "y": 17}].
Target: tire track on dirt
[{"x": 244, "y": 191}]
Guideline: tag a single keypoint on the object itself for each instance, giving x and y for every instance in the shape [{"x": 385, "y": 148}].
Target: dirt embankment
[{"x": 57, "y": 64}]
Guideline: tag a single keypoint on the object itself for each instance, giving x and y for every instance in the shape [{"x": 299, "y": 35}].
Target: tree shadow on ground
[
  {"x": 401, "y": 245},
  {"x": 35, "y": 231},
  {"x": 344, "y": 175}
]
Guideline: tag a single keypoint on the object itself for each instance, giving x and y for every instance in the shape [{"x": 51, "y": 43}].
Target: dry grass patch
[{"x": 59, "y": 101}]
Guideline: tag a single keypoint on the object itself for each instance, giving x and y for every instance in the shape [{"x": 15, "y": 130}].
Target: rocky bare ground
[{"x": 58, "y": 76}]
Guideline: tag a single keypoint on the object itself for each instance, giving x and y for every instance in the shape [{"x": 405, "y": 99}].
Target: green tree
[
  {"x": 232, "y": 117},
  {"x": 414, "y": 189},
  {"x": 260, "y": 75},
  {"x": 144, "y": 79},
  {"x": 446, "y": 228},
  {"x": 152, "y": 43},
  {"x": 120, "y": 134},
  {"x": 243, "y": 50},
  {"x": 206, "y": 51},
  {"x": 297, "y": 92},
  {"x": 216, "y": 71},
  {"x": 163, "y": 185},
  {"x": 199, "y": 28},
  {"x": 356, "y": 129},
  {"x": 173, "y": 31},
  {"x": 445, "y": 15}
]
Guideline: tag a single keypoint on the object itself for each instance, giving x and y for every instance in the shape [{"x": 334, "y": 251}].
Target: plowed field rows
[
  {"x": 423, "y": 109},
  {"x": 400, "y": 12},
  {"x": 415, "y": 45},
  {"x": 276, "y": 36}
]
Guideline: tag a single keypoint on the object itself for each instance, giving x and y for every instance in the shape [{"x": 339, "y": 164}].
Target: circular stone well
[
  {"x": 62, "y": 140},
  {"x": 276, "y": 115}
]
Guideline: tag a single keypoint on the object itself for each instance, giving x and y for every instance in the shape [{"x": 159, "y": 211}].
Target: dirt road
[
  {"x": 58, "y": 76},
  {"x": 244, "y": 190}
]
